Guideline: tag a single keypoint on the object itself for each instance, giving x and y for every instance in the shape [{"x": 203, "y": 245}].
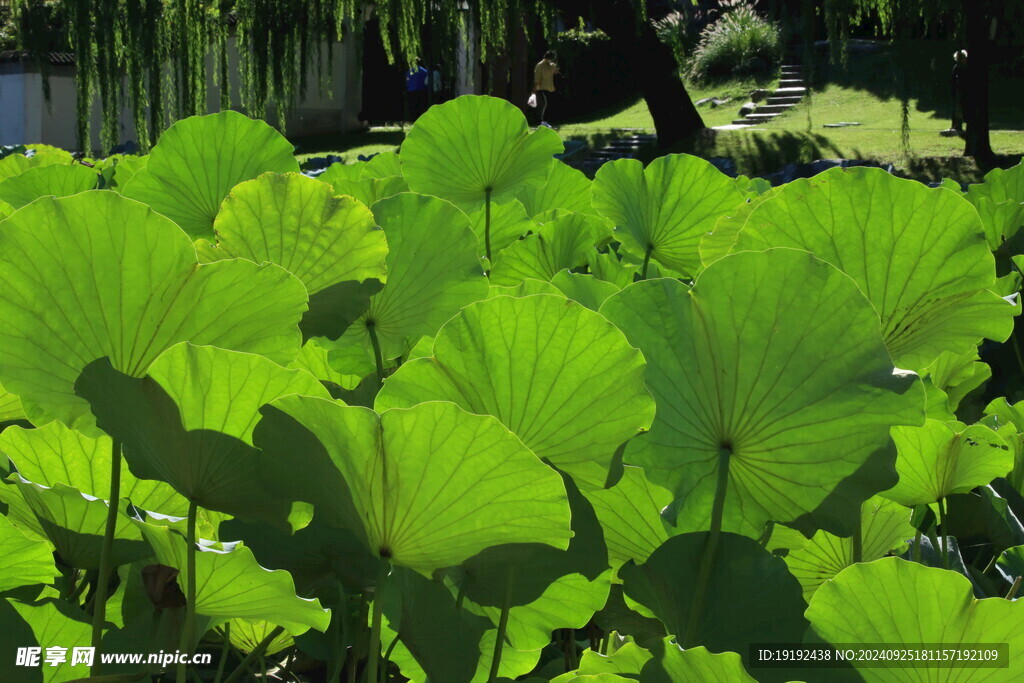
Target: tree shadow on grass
[
  {"x": 335, "y": 142},
  {"x": 763, "y": 152}
]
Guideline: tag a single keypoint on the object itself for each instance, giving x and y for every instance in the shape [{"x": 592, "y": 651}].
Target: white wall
[{"x": 26, "y": 118}]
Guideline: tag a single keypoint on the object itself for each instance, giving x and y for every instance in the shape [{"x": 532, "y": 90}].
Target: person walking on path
[
  {"x": 544, "y": 84},
  {"x": 416, "y": 82},
  {"x": 957, "y": 81}
]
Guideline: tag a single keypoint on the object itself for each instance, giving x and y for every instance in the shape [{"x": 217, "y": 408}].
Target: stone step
[
  {"x": 792, "y": 83},
  {"x": 788, "y": 92},
  {"x": 773, "y": 108},
  {"x": 795, "y": 70},
  {"x": 742, "y": 122},
  {"x": 761, "y": 118},
  {"x": 795, "y": 99}
]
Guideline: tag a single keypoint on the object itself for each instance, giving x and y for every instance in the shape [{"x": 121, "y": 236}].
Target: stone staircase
[
  {"x": 791, "y": 90},
  {"x": 623, "y": 148}
]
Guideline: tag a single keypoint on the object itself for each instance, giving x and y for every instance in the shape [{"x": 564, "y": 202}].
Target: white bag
[{"x": 532, "y": 101}]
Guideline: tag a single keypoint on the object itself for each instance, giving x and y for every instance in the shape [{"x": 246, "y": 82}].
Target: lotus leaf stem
[
  {"x": 499, "y": 638},
  {"x": 188, "y": 629},
  {"x": 373, "y": 655},
  {"x": 254, "y": 655},
  {"x": 99, "y": 610}
]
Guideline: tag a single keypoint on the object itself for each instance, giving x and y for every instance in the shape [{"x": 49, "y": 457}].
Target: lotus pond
[{"x": 463, "y": 414}]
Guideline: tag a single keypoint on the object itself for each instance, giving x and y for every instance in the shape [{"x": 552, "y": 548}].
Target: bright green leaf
[{"x": 47, "y": 181}]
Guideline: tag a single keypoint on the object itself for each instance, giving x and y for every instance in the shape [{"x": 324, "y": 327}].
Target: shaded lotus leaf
[
  {"x": 314, "y": 555},
  {"x": 74, "y": 523},
  {"x": 54, "y": 454},
  {"x": 940, "y": 459},
  {"x": 189, "y": 423},
  {"x": 885, "y": 529},
  {"x": 773, "y": 366},
  {"x": 558, "y": 375},
  {"x": 443, "y": 639},
  {"x": 893, "y": 601},
  {"x": 566, "y": 242},
  {"x": 919, "y": 255},
  {"x": 111, "y": 278},
  {"x": 27, "y": 560},
  {"x": 666, "y": 208},
  {"x": 231, "y": 585},
  {"x": 630, "y": 514},
  {"x": 566, "y": 188},
  {"x": 198, "y": 160},
  {"x": 47, "y": 181},
  {"x": 425, "y": 488},
  {"x": 475, "y": 146},
  {"x": 750, "y": 595}
]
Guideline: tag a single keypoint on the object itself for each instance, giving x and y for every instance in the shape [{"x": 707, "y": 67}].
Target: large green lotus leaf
[
  {"x": 940, "y": 459},
  {"x": 355, "y": 180},
  {"x": 957, "y": 375},
  {"x": 199, "y": 159},
  {"x": 508, "y": 222},
  {"x": 73, "y": 523},
  {"x": 893, "y": 601},
  {"x": 16, "y": 164},
  {"x": 674, "y": 664},
  {"x": 246, "y": 636},
  {"x": 630, "y": 513},
  {"x": 717, "y": 243},
  {"x": 111, "y": 278},
  {"x": 560, "y": 376},
  {"x": 919, "y": 255},
  {"x": 609, "y": 268},
  {"x": 428, "y": 487},
  {"x": 565, "y": 188},
  {"x": 190, "y": 423},
  {"x": 47, "y": 181},
  {"x": 53, "y": 622},
  {"x": 10, "y": 406},
  {"x": 774, "y": 364},
  {"x": 231, "y": 585},
  {"x": 566, "y": 242},
  {"x": 314, "y": 358},
  {"x": 433, "y": 271},
  {"x": 472, "y": 145},
  {"x": 27, "y": 560},
  {"x": 54, "y": 454},
  {"x": 750, "y": 596},
  {"x": 126, "y": 168},
  {"x": 627, "y": 659},
  {"x": 443, "y": 639},
  {"x": 667, "y": 207},
  {"x": 296, "y": 222},
  {"x": 1000, "y": 219},
  {"x": 1001, "y": 185},
  {"x": 586, "y": 289},
  {"x": 885, "y": 527}
]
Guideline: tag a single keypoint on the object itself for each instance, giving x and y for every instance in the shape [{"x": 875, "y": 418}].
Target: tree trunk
[
  {"x": 654, "y": 67},
  {"x": 978, "y": 16}
]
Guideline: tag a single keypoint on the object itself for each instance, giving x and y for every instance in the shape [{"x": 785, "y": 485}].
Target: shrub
[{"x": 739, "y": 43}]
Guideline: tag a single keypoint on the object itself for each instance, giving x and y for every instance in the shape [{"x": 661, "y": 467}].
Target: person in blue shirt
[{"x": 416, "y": 89}]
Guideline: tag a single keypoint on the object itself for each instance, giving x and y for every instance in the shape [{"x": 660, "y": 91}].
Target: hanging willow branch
[{"x": 151, "y": 56}]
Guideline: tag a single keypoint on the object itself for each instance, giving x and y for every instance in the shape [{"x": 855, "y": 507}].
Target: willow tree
[
  {"x": 988, "y": 29},
  {"x": 160, "y": 50}
]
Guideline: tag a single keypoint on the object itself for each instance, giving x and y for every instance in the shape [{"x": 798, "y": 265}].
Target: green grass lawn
[{"x": 865, "y": 90}]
